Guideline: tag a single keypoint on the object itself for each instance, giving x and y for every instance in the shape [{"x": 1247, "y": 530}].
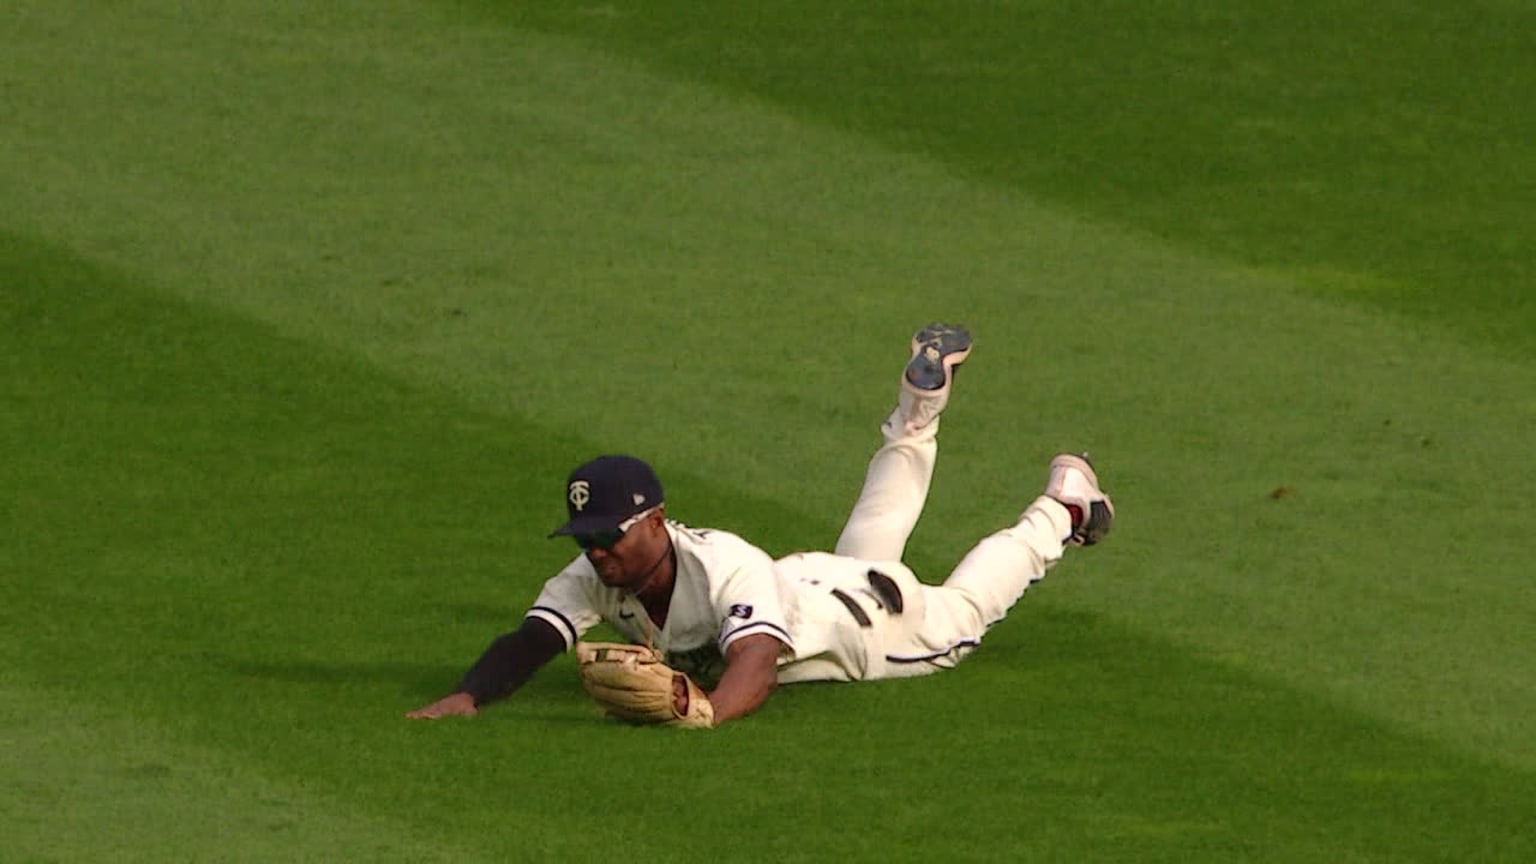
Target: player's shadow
[
  {"x": 414, "y": 679},
  {"x": 491, "y": 618},
  {"x": 552, "y": 697}
]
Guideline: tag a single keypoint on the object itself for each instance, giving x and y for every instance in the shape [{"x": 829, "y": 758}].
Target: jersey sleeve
[
  {"x": 749, "y": 602},
  {"x": 568, "y": 602}
]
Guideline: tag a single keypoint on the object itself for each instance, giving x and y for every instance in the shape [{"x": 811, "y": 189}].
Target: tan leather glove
[{"x": 632, "y": 683}]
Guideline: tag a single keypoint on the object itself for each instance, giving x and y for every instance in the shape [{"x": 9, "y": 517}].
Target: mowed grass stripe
[
  {"x": 1377, "y": 154},
  {"x": 86, "y": 783},
  {"x": 240, "y": 545},
  {"x": 556, "y": 235}
]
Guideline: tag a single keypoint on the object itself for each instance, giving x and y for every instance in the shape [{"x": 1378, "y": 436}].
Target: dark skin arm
[
  {"x": 751, "y": 676},
  {"x": 505, "y": 666}
]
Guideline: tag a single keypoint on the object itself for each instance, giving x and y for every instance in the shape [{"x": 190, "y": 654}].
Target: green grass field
[{"x": 306, "y": 312}]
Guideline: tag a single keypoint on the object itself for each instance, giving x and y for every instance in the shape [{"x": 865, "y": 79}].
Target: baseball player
[{"x": 703, "y": 608}]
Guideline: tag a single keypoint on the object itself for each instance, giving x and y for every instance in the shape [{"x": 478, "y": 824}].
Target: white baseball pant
[{"x": 939, "y": 624}]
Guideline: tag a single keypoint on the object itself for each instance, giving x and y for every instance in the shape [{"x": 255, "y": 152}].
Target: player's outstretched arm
[
  {"x": 505, "y": 666},
  {"x": 751, "y": 675}
]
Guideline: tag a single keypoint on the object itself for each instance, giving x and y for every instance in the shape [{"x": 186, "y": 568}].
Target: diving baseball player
[{"x": 702, "y": 608}]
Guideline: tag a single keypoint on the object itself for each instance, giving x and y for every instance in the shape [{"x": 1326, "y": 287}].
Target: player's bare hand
[{"x": 459, "y": 704}]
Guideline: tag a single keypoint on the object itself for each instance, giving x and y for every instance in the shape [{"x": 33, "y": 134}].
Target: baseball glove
[{"x": 633, "y": 684}]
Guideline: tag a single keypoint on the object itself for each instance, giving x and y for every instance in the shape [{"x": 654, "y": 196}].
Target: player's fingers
[
  {"x": 442, "y": 709},
  {"x": 680, "y": 695}
]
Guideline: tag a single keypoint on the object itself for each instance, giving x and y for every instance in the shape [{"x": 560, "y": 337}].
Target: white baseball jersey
[
  {"x": 725, "y": 589},
  {"x": 821, "y": 606}
]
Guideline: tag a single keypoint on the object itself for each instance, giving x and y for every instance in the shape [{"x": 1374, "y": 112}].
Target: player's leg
[
  {"x": 896, "y": 482},
  {"x": 996, "y": 572},
  {"x": 1072, "y": 511}
]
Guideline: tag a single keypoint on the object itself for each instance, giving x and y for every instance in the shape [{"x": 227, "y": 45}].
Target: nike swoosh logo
[{"x": 624, "y": 614}]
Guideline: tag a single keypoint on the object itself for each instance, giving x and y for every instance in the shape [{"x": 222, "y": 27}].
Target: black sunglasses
[
  {"x": 598, "y": 539},
  {"x": 607, "y": 539}
]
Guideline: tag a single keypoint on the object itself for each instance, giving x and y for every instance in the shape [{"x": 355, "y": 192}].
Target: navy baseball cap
[{"x": 604, "y": 492}]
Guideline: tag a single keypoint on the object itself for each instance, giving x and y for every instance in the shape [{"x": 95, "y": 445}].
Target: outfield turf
[{"x": 307, "y": 313}]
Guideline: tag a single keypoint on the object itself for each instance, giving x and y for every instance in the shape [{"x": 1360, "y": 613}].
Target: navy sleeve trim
[
  {"x": 757, "y": 627},
  {"x": 570, "y": 629},
  {"x": 927, "y": 658}
]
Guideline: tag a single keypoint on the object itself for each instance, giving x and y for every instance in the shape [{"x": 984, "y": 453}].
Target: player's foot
[
  {"x": 936, "y": 350},
  {"x": 1074, "y": 484}
]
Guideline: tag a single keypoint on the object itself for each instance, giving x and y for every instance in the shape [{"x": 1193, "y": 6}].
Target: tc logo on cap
[
  {"x": 604, "y": 492},
  {"x": 580, "y": 494}
]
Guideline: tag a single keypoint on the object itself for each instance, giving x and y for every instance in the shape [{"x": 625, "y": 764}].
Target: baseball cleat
[
  {"x": 1074, "y": 484},
  {"x": 936, "y": 350}
]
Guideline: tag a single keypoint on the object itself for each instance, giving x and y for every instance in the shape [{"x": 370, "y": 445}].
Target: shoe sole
[
  {"x": 1101, "y": 513},
  {"x": 936, "y": 350}
]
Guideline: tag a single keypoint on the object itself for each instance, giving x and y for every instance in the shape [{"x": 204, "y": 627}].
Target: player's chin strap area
[{"x": 650, "y": 625}]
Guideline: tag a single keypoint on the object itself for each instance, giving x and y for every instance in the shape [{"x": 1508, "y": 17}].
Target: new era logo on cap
[{"x": 606, "y": 491}]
